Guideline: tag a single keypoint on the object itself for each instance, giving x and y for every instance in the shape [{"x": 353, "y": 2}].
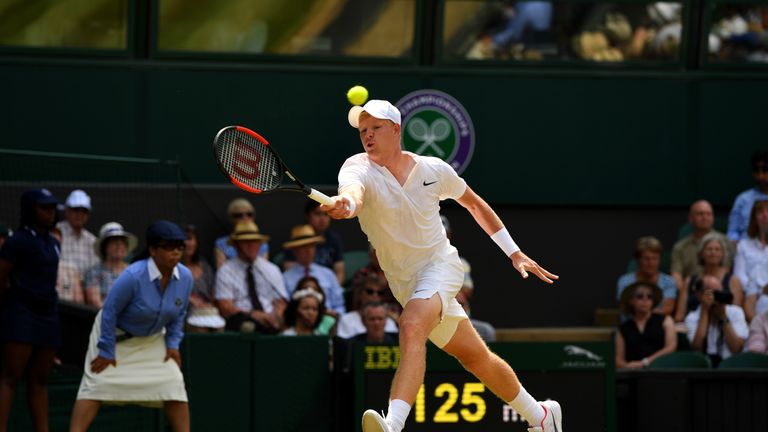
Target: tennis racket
[{"x": 251, "y": 164}]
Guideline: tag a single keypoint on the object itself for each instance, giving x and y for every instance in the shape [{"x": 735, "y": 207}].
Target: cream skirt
[{"x": 141, "y": 376}]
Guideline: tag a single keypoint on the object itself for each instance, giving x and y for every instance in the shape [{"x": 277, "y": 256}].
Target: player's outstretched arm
[
  {"x": 487, "y": 218},
  {"x": 347, "y": 203}
]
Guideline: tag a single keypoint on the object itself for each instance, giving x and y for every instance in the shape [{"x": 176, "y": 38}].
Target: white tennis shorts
[{"x": 444, "y": 276}]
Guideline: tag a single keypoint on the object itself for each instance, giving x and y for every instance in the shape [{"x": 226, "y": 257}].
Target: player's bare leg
[
  {"x": 467, "y": 346},
  {"x": 418, "y": 319}
]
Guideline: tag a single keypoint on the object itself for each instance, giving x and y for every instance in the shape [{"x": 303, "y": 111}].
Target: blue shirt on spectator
[
  {"x": 665, "y": 282},
  {"x": 334, "y": 293},
  {"x": 138, "y": 306},
  {"x": 738, "y": 220},
  {"x": 534, "y": 14}
]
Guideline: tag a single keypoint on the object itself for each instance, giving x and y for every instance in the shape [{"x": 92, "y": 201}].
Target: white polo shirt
[{"x": 403, "y": 222}]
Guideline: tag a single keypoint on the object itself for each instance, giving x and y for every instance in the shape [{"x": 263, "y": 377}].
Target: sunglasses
[
  {"x": 171, "y": 246},
  {"x": 374, "y": 292},
  {"x": 641, "y": 296},
  {"x": 241, "y": 215}
]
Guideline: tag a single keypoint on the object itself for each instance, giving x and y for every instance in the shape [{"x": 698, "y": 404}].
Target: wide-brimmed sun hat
[
  {"x": 114, "y": 229},
  {"x": 246, "y": 230},
  {"x": 302, "y": 235}
]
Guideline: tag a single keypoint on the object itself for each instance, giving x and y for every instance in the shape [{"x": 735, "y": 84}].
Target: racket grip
[{"x": 320, "y": 197}]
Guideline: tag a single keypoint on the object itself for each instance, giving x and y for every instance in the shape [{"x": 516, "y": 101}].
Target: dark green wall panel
[{"x": 559, "y": 138}]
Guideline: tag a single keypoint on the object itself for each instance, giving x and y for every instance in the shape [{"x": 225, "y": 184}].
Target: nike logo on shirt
[{"x": 427, "y": 184}]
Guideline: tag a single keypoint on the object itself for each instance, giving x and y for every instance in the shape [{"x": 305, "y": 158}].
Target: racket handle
[{"x": 320, "y": 197}]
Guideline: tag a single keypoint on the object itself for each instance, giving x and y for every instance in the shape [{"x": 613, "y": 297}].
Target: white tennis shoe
[
  {"x": 374, "y": 422},
  {"x": 553, "y": 418}
]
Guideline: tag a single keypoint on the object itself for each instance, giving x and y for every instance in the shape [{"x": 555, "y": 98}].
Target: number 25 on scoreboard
[{"x": 472, "y": 403}]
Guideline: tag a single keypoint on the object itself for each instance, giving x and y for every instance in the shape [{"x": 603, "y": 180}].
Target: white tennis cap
[{"x": 380, "y": 109}]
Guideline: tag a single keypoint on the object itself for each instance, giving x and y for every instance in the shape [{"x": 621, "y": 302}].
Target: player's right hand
[{"x": 340, "y": 208}]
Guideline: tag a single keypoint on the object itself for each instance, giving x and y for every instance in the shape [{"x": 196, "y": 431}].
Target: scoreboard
[{"x": 579, "y": 375}]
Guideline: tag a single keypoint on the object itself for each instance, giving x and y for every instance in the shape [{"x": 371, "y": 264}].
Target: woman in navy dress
[{"x": 29, "y": 318}]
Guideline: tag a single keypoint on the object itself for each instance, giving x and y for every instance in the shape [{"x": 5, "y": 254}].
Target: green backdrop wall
[{"x": 558, "y": 136}]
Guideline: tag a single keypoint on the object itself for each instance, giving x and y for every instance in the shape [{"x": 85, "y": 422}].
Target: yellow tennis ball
[{"x": 357, "y": 95}]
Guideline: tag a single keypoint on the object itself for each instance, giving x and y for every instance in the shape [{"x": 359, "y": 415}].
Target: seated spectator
[
  {"x": 5, "y": 232},
  {"x": 327, "y": 320},
  {"x": 203, "y": 316},
  {"x": 304, "y": 243},
  {"x": 69, "y": 286},
  {"x": 76, "y": 241},
  {"x": 716, "y": 327},
  {"x": 250, "y": 291},
  {"x": 374, "y": 317},
  {"x": 648, "y": 256},
  {"x": 304, "y": 313},
  {"x": 758, "y": 334},
  {"x": 373, "y": 270},
  {"x": 351, "y": 323},
  {"x": 330, "y": 253},
  {"x": 757, "y": 300},
  {"x": 113, "y": 246},
  {"x": 712, "y": 259},
  {"x": 239, "y": 210},
  {"x": 740, "y": 217},
  {"x": 524, "y": 22},
  {"x": 751, "y": 255},
  {"x": 646, "y": 335},
  {"x": 685, "y": 253}
]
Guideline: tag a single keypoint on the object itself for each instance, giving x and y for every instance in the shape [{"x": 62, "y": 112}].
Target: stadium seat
[
  {"x": 681, "y": 360},
  {"x": 745, "y": 360}
]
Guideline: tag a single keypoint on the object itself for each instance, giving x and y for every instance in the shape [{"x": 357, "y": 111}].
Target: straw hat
[
  {"x": 246, "y": 230},
  {"x": 114, "y": 229},
  {"x": 629, "y": 291},
  {"x": 302, "y": 235}
]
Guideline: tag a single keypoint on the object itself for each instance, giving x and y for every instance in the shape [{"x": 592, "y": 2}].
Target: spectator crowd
[{"x": 715, "y": 295}]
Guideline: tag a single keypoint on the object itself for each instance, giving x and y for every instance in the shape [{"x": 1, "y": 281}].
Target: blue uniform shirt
[
  {"x": 136, "y": 305},
  {"x": 35, "y": 259}
]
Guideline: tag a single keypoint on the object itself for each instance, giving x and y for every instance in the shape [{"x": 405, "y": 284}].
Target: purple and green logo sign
[{"x": 436, "y": 124}]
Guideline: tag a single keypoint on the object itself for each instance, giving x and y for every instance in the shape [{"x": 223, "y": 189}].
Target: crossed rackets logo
[
  {"x": 436, "y": 124},
  {"x": 429, "y": 135}
]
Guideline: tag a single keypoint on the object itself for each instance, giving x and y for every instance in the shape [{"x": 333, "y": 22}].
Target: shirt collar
[{"x": 154, "y": 272}]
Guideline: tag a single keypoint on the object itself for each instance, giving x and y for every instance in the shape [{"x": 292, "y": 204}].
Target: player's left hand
[
  {"x": 174, "y": 354},
  {"x": 523, "y": 264}
]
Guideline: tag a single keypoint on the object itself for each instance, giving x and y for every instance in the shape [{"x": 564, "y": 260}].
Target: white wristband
[
  {"x": 505, "y": 242},
  {"x": 351, "y": 207}
]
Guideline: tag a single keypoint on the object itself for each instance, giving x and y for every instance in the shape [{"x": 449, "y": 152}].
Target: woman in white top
[{"x": 752, "y": 254}]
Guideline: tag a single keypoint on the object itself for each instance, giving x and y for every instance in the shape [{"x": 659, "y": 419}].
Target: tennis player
[
  {"x": 133, "y": 354},
  {"x": 396, "y": 194}
]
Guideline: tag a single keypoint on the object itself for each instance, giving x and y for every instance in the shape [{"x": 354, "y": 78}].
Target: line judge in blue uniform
[{"x": 133, "y": 353}]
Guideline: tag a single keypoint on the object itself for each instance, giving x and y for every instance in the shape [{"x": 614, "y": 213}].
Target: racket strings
[{"x": 248, "y": 160}]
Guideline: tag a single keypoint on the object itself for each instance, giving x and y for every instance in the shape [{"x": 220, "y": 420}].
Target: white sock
[
  {"x": 527, "y": 407},
  {"x": 396, "y": 414}
]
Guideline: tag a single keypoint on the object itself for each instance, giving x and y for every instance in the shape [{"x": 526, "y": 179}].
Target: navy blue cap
[
  {"x": 165, "y": 230},
  {"x": 38, "y": 196}
]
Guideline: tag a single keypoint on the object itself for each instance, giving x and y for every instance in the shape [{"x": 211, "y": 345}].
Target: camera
[{"x": 723, "y": 297}]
